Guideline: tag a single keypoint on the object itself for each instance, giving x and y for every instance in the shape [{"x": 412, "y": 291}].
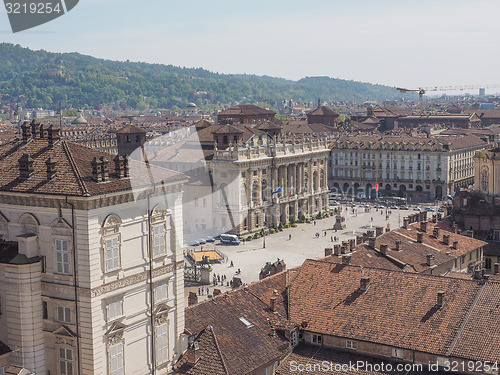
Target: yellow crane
[
  {"x": 422, "y": 90},
  {"x": 265, "y": 100}
]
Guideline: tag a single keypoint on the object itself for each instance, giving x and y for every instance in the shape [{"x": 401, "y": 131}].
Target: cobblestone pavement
[{"x": 251, "y": 256}]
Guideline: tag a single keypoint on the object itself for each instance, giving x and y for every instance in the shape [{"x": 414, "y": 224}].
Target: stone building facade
[
  {"x": 266, "y": 184},
  {"x": 91, "y": 267},
  {"x": 416, "y": 168}
]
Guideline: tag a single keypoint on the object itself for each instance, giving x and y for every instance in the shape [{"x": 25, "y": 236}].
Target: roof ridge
[
  {"x": 79, "y": 178},
  {"x": 469, "y": 313},
  {"x": 218, "y": 349}
]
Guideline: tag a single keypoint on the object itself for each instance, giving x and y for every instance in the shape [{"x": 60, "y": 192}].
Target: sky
[{"x": 404, "y": 43}]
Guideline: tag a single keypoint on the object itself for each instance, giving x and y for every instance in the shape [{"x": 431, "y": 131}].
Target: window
[
  {"x": 115, "y": 310},
  {"x": 397, "y": 353},
  {"x": 317, "y": 339},
  {"x": 162, "y": 343},
  {"x": 161, "y": 292},
  {"x": 247, "y": 323},
  {"x": 62, "y": 256},
  {"x": 158, "y": 239},
  {"x": 66, "y": 361},
  {"x": 116, "y": 359},
  {"x": 64, "y": 314},
  {"x": 112, "y": 250},
  {"x": 487, "y": 263},
  {"x": 351, "y": 344},
  {"x": 45, "y": 313}
]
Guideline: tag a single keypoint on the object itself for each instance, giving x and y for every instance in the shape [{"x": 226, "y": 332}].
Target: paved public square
[{"x": 251, "y": 256}]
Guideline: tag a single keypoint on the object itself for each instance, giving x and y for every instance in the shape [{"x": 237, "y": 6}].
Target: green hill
[{"x": 42, "y": 79}]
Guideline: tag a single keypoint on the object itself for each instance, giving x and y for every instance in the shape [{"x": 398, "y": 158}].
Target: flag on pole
[{"x": 278, "y": 190}]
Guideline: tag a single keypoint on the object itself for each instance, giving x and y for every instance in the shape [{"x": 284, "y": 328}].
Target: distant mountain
[{"x": 42, "y": 79}]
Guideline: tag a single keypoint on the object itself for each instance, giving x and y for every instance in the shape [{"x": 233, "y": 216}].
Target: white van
[{"x": 229, "y": 239}]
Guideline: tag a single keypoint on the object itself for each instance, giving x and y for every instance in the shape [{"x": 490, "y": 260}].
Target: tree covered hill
[{"x": 42, "y": 79}]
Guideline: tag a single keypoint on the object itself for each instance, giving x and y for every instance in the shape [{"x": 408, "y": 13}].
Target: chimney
[
  {"x": 346, "y": 259},
  {"x": 454, "y": 228},
  {"x": 383, "y": 248},
  {"x": 440, "y": 299},
  {"x": 496, "y": 268},
  {"x": 121, "y": 166},
  {"x": 272, "y": 303},
  {"x": 423, "y": 226},
  {"x": 470, "y": 233},
  {"x": 26, "y": 131},
  {"x": 430, "y": 260},
  {"x": 455, "y": 245},
  {"x": 43, "y": 132},
  {"x": 371, "y": 242},
  {"x": 436, "y": 232},
  {"x": 105, "y": 173},
  {"x": 336, "y": 249},
  {"x": 379, "y": 231},
  {"x": 439, "y": 216},
  {"x": 192, "y": 299},
  {"x": 446, "y": 239},
  {"x": 25, "y": 166},
  {"x": 52, "y": 135},
  {"x": 35, "y": 129},
  {"x": 398, "y": 245},
  {"x": 478, "y": 274},
  {"x": 328, "y": 251},
  {"x": 434, "y": 218},
  {"x": 51, "y": 168},
  {"x": 406, "y": 222},
  {"x": 100, "y": 169},
  {"x": 364, "y": 283},
  {"x": 192, "y": 354},
  {"x": 420, "y": 237}
]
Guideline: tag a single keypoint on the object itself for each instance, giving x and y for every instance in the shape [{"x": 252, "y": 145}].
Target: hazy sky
[{"x": 394, "y": 42}]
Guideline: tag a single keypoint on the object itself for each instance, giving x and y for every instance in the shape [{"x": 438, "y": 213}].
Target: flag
[
  {"x": 278, "y": 190},
  {"x": 376, "y": 187},
  {"x": 288, "y": 194}
]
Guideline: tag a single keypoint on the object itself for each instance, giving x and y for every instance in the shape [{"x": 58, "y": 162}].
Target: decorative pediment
[
  {"x": 111, "y": 224},
  {"x": 64, "y": 331},
  {"x": 159, "y": 214},
  {"x": 115, "y": 332},
  {"x": 60, "y": 223},
  {"x": 161, "y": 313},
  {"x": 28, "y": 219}
]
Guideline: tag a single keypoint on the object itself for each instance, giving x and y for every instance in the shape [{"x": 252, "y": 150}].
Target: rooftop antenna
[
  {"x": 59, "y": 112},
  {"x": 16, "y": 113}
]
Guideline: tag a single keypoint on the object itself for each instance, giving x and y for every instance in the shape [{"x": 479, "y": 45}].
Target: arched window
[
  {"x": 264, "y": 190},
  {"x": 29, "y": 223},
  {"x": 111, "y": 241},
  {"x": 255, "y": 192},
  {"x": 484, "y": 180}
]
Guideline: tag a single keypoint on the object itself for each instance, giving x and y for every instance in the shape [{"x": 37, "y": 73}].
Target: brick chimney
[
  {"x": 100, "y": 169},
  {"x": 364, "y": 283},
  {"x": 398, "y": 245},
  {"x": 371, "y": 242},
  {"x": 455, "y": 245},
  {"x": 346, "y": 259},
  {"x": 51, "y": 168},
  {"x": 478, "y": 274},
  {"x": 328, "y": 251},
  {"x": 43, "y": 132},
  {"x": 25, "y": 166},
  {"x": 440, "y": 299},
  {"x": 192, "y": 354},
  {"x": 192, "y": 299},
  {"x": 430, "y": 260},
  {"x": 423, "y": 226},
  {"x": 383, "y": 248},
  {"x": 26, "y": 131},
  {"x": 420, "y": 237},
  {"x": 379, "y": 231},
  {"x": 496, "y": 268},
  {"x": 52, "y": 135},
  {"x": 336, "y": 249},
  {"x": 35, "y": 129},
  {"x": 446, "y": 239},
  {"x": 436, "y": 232},
  {"x": 406, "y": 222},
  {"x": 470, "y": 233},
  {"x": 121, "y": 166},
  {"x": 272, "y": 303}
]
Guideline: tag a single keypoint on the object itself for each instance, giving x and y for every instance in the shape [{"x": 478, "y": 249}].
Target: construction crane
[
  {"x": 422, "y": 90},
  {"x": 265, "y": 100}
]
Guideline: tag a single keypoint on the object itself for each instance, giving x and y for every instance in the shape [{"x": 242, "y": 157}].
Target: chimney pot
[
  {"x": 328, "y": 251},
  {"x": 371, "y": 243},
  {"x": 346, "y": 259},
  {"x": 364, "y": 283},
  {"x": 383, "y": 248},
  {"x": 273, "y": 303},
  {"x": 423, "y": 226},
  {"x": 406, "y": 222},
  {"x": 440, "y": 299},
  {"x": 52, "y": 135},
  {"x": 455, "y": 245},
  {"x": 430, "y": 259},
  {"x": 496, "y": 268},
  {"x": 26, "y": 131},
  {"x": 35, "y": 129},
  {"x": 398, "y": 245},
  {"x": 25, "y": 166},
  {"x": 51, "y": 168},
  {"x": 446, "y": 239},
  {"x": 436, "y": 232},
  {"x": 420, "y": 237}
]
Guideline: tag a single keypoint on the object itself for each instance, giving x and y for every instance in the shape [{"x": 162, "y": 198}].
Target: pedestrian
[
  {"x": 199, "y": 291},
  {"x": 324, "y": 234},
  {"x": 202, "y": 290},
  {"x": 289, "y": 237},
  {"x": 208, "y": 292},
  {"x": 331, "y": 239},
  {"x": 232, "y": 264}
]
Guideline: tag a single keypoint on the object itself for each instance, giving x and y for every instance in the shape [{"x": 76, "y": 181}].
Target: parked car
[
  {"x": 209, "y": 239},
  {"x": 201, "y": 241},
  {"x": 440, "y": 209},
  {"x": 194, "y": 243},
  {"x": 430, "y": 209},
  {"x": 404, "y": 208},
  {"x": 394, "y": 207},
  {"x": 417, "y": 208}
]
